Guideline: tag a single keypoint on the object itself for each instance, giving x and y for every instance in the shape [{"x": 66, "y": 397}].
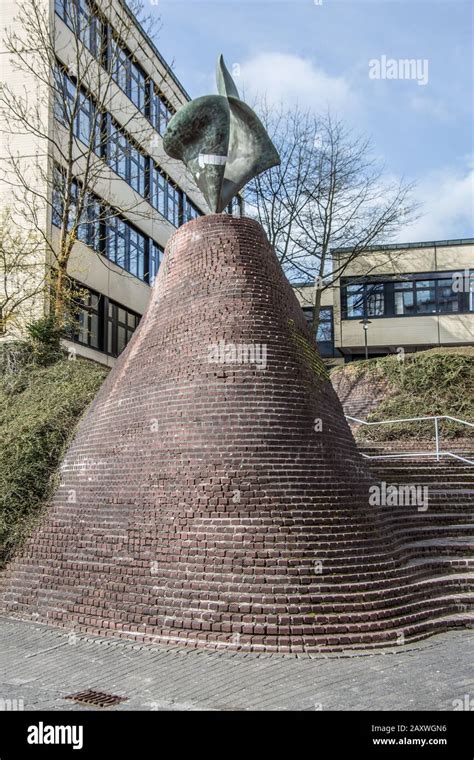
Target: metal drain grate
[{"x": 96, "y": 698}]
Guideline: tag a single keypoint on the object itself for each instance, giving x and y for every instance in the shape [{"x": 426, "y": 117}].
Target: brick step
[
  {"x": 379, "y": 639},
  {"x": 422, "y": 591},
  {"x": 333, "y": 626},
  {"x": 314, "y": 593},
  {"x": 447, "y": 544},
  {"x": 333, "y": 614}
]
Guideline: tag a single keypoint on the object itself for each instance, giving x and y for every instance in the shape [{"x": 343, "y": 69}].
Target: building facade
[
  {"x": 410, "y": 296},
  {"x": 142, "y": 195}
]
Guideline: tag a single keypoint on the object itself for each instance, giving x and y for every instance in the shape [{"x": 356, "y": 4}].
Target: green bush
[
  {"x": 427, "y": 383},
  {"x": 39, "y": 409}
]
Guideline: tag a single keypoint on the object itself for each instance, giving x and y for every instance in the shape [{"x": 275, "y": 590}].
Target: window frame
[{"x": 414, "y": 284}]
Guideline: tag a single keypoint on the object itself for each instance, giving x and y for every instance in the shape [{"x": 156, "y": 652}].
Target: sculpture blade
[
  {"x": 221, "y": 140},
  {"x": 225, "y": 84},
  {"x": 198, "y": 135}
]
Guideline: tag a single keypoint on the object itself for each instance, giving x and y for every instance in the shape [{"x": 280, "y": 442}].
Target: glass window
[
  {"x": 119, "y": 65},
  {"x": 190, "y": 210},
  {"x": 161, "y": 111},
  {"x": 435, "y": 295},
  {"x": 125, "y": 246},
  {"x": 121, "y": 324},
  {"x": 158, "y": 191},
  {"x": 156, "y": 255},
  {"x": 80, "y": 17},
  {"x": 448, "y": 298},
  {"x": 128, "y": 75},
  {"x": 173, "y": 204},
  {"x": 404, "y": 302},
  {"x": 375, "y": 300},
  {"x": 138, "y": 88},
  {"x": 471, "y": 293},
  {"x": 87, "y": 310},
  {"x": 324, "y": 333},
  {"x": 138, "y": 166},
  {"x": 76, "y": 111},
  {"x": 425, "y": 297},
  {"x": 355, "y": 301},
  {"x": 235, "y": 206}
]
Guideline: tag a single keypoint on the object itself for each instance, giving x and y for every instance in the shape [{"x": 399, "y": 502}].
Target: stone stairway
[{"x": 439, "y": 540}]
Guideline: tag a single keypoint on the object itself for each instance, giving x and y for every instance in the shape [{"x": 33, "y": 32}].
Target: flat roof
[
  {"x": 155, "y": 50},
  {"x": 404, "y": 246}
]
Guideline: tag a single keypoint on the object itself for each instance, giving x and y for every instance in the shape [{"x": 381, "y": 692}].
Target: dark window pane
[
  {"x": 426, "y": 301},
  {"x": 121, "y": 338},
  {"x": 375, "y": 300},
  {"x": 404, "y": 303},
  {"x": 94, "y": 331},
  {"x": 355, "y": 301}
]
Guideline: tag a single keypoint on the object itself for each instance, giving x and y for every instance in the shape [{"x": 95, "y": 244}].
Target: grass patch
[
  {"x": 428, "y": 383},
  {"x": 39, "y": 409}
]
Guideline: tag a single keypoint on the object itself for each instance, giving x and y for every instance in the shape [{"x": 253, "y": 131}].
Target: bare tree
[
  {"x": 328, "y": 193},
  {"x": 74, "y": 70},
  {"x": 22, "y": 274}
]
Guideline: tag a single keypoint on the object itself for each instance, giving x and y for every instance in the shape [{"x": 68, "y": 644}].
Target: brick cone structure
[{"x": 223, "y": 504}]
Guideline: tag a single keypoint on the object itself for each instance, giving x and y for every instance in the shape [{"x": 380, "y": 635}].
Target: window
[
  {"x": 138, "y": 89},
  {"x": 404, "y": 298},
  {"x": 120, "y": 326},
  {"x": 77, "y": 109},
  {"x": 156, "y": 255},
  {"x": 126, "y": 246},
  {"x": 375, "y": 300},
  {"x": 125, "y": 158},
  {"x": 325, "y": 330},
  {"x": 128, "y": 75},
  {"x": 81, "y": 17},
  {"x": 88, "y": 229},
  {"x": 161, "y": 111},
  {"x": 417, "y": 296},
  {"x": 448, "y": 299},
  {"x": 425, "y": 297},
  {"x": 355, "y": 300},
  {"x": 235, "y": 206},
  {"x": 190, "y": 210},
  {"x": 158, "y": 191},
  {"x": 174, "y": 197},
  {"x": 86, "y": 319},
  {"x": 165, "y": 197},
  {"x": 100, "y": 323}
]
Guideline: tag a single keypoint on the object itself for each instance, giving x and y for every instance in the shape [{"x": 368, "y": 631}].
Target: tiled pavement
[{"x": 42, "y": 665}]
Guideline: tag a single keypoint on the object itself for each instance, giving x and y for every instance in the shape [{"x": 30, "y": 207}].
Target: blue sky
[{"x": 318, "y": 54}]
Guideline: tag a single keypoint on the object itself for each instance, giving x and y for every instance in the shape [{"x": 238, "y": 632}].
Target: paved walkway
[{"x": 42, "y": 665}]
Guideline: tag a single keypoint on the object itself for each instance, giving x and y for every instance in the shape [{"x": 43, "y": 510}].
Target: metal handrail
[{"x": 438, "y": 452}]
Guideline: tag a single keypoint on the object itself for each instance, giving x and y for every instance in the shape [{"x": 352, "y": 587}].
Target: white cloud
[
  {"x": 447, "y": 198},
  {"x": 424, "y": 104},
  {"x": 283, "y": 77}
]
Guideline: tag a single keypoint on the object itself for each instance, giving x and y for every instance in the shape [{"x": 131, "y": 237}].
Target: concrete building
[
  {"x": 411, "y": 296},
  {"x": 146, "y": 194}
]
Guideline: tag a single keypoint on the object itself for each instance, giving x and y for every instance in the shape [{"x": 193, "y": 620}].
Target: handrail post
[{"x": 437, "y": 438}]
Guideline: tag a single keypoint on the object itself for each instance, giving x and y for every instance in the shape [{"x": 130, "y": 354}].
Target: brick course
[{"x": 198, "y": 499}]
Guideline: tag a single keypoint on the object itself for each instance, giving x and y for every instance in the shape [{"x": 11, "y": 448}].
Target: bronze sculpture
[{"x": 221, "y": 140}]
